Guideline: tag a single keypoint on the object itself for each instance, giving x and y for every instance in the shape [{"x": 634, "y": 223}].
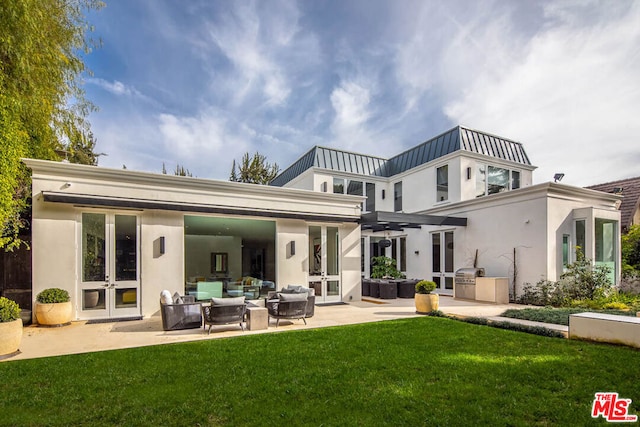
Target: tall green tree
[
  {"x": 254, "y": 170},
  {"x": 42, "y": 106}
]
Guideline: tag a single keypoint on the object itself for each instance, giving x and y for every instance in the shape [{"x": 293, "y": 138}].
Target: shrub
[
  {"x": 581, "y": 281},
  {"x": 9, "y": 310},
  {"x": 53, "y": 295},
  {"x": 425, "y": 287},
  {"x": 615, "y": 306},
  {"x": 384, "y": 267}
]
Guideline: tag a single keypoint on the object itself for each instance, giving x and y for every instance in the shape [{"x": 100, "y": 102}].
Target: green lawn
[
  {"x": 423, "y": 371},
  {"x": 558, "y": 316}
]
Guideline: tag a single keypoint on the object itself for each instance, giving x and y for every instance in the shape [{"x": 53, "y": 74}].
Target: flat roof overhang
[
  {"x": 132, "y": 203},
  {"x": 382, "y": 221}
]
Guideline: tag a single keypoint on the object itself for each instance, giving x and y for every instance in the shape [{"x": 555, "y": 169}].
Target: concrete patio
[{"x": 81, "y": 337}]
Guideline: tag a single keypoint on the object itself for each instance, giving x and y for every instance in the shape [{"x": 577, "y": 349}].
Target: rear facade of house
[{"x": 463, "y": 198}]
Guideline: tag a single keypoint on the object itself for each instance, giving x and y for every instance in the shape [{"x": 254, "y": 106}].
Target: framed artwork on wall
[{"x": 219, "y": 264}]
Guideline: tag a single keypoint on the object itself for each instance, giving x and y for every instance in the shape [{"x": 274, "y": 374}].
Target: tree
[
  {"x": 631, "y": 251},
  {"x": 179, "y": 171},
  {"x": 254, "y": 170},
  {"x": 42, "y": 105}
]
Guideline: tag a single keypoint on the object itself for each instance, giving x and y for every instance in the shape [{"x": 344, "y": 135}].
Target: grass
[
  {"x": 422, "y": 371},
  {"x": 558, "y": 316}
]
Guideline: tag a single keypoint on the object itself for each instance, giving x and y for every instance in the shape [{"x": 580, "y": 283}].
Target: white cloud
[
  {"x": 571, "y": 94},
  {"x": 200, "y": 142},
  {"x": 116, "y": 87},
  {"x": 253, "y": 42}
]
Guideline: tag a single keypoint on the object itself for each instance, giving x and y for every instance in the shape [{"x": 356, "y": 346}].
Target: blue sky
[{"x": 199, "y": 83}]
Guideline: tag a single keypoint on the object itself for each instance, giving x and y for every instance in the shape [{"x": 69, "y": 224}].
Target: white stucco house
[{"x": 462, "y": 198}]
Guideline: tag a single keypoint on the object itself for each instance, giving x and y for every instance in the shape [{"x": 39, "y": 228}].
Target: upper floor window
[
  {"x": 354, "y": 188},
  {"x": 493, "y": 179},
  {"x": 397, "y": 196},
  {"x": 442, "y": 183},
  {"x": 515, "y": 180},
  {"x": 338, "y": 185},
  {"x": 370, "y": 204},
  {"x": 497, "y": 180}
]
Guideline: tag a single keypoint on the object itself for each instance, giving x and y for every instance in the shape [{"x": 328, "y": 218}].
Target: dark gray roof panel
[
  {"x": 494, "y": 146},
  {"x": 296, "y": 169},
  {"x": 458, "y": 138}
]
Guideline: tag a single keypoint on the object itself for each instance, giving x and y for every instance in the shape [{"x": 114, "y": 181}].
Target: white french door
[
  {"x": 324, "y": 263},
  {"x": 109, "y": 285},
  {"x": 442, "y": 251}
]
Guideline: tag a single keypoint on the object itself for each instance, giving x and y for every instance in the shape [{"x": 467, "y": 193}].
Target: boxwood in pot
[
  {"x": 53, "y": 307},
  {"x": 10, "y": 327},
  {"x": 426, "y": 302}
]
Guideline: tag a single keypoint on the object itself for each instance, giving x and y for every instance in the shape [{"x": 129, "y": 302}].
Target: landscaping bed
[{"x": 557, "y": 316}]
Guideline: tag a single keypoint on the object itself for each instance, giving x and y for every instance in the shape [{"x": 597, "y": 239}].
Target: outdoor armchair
[
  {"x": 179, "y": 312},
  {"x": 224, "y": 311},
  {"x": 288, "y": 306},
  {"x": 295, "y": 289}
]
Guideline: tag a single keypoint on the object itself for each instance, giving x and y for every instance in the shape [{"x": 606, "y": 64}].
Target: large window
[
  {"x": 493, "y": 179},
  {"x": 497, "y": 180},
  {"x": 397, "y": 196},
  {"x": 442, "y": 183},
  {"x": 245, "y": 247}
]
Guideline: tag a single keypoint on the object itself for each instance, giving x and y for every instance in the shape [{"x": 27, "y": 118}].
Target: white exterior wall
[
  {"x": 530, "y": 220},
  {"x": 57, "y": 226},
  {"x": 159, "y": 271}
]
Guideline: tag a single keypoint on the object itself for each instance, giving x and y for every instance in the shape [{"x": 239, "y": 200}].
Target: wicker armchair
[
  {"x": 224, "y": 311},
  {"x": 294, "y": 289},
  {"x": 288, "y": 306},
  {"x": 180, "y": 315}
]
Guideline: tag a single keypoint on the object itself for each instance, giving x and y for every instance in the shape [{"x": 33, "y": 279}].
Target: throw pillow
[
  {"x": 294, "y": 288},
  {"x": 165, "y": 297},
  {"x": 292, "y": 297},
  {"x": 176, "y": 298},
  {"x": 227, "y": 301}
]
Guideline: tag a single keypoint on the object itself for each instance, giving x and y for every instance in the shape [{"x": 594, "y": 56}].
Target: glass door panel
[
  {"x": 109, "y": 284},
  {"x": 324, "y": 262},
  {"x": 442, "y": 261}
]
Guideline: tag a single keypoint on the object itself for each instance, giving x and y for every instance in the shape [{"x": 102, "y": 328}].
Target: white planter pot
[
  {"x": 54, "y": 314},
  {"x": 10, "y": 336},
  {"x": 426, "y": 303}
]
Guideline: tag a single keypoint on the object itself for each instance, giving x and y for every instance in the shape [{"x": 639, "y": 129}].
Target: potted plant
[
  {"x": 10, "y": 327},
  {"x": 53, "y": 307},
  {"x": 384, "y": 268},
  {"x": 426, "y": 302}
]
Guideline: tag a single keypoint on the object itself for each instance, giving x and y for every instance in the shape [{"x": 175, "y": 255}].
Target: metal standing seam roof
[{"x": 458, "y": 138}]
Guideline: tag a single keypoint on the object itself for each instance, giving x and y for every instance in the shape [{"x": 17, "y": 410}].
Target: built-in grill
[{"x": 465, "y": 282}]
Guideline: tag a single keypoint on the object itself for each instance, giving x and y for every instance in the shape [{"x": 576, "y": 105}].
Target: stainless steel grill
[{"x": 465, "y": 282}]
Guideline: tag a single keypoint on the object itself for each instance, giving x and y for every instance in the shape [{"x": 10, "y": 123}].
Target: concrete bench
[{"x": 602, "y": 327}]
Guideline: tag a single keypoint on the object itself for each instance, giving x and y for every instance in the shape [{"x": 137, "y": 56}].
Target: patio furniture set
[
  {"x": 389, "y": 289},
  {"x": 184, "y": 312}
]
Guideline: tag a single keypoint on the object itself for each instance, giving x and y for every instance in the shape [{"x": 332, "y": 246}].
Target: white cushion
[{"x": 165, "y": 297}]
